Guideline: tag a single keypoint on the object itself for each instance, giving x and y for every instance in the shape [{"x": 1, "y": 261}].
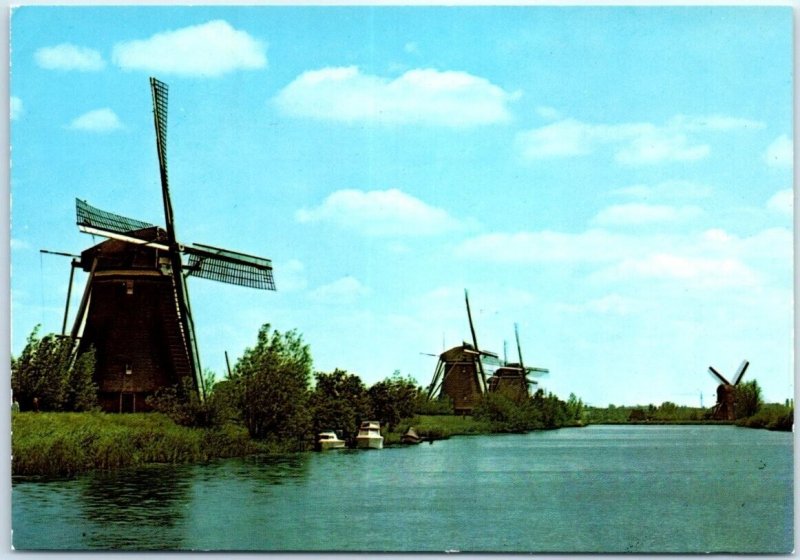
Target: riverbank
[{"x": 66, "y": 443}]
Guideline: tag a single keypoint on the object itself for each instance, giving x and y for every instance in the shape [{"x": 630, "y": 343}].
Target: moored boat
[
  {"x": 329, "y": 440},
  {"x": 369, "y": 435},
  {"x": 410, "y": 437}
]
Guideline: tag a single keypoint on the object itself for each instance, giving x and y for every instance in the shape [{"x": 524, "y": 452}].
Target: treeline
[
  {"x": 749, "y": 411},
  {"x": 274, "y": 394}
]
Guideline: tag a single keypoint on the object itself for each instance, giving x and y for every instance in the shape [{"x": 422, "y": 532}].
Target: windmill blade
[
  {"x": 474, "y": 339},
  {"x": 160, "y": 96},
  {"x": 519, "y": 348},
  {"x": 230, "y": 267},
  {"x": 94, "y": 220},
  {"x": 718, "y": 375},
  {"x": 537, "y": 371},
  {"x": 740, "y": 372}
]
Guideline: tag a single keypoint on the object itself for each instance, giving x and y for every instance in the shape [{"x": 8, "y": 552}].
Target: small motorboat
[
  {"x": 410, "y": 437},
  {"x": 369, "y": 435},
  {"x": 329, "y": 440}
]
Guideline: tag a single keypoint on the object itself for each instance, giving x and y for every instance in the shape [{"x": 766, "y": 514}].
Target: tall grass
[{"x": 68, "y": 443}]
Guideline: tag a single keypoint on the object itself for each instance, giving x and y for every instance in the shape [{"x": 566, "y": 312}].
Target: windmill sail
[
  {"x": 94, "y": 220},
  {"x": 230, "y": 267}
]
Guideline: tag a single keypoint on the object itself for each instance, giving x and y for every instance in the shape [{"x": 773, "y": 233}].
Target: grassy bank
[{"x": 54, "y": 444}]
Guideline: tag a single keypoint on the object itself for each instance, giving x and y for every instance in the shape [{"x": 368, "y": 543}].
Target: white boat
[
  {"x": 369, "y": 435},
  {"x": 329, "y": 440}
]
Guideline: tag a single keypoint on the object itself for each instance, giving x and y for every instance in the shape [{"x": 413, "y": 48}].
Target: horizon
[{"x": 617, "y": 181}]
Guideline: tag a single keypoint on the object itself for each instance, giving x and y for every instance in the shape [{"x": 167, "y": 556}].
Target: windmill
[
  {"x": 511, "y": 379},
  {"x": 726, "y": 393},
  {"x": 135, "y": 308},
  {"x": 460, "y": 374}
]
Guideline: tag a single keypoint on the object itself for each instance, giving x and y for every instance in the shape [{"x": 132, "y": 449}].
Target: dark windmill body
[
  {"x": 511, "y": 380},
  {"x": 460, "y": 374},
  {"x": 725, "y": 409},
  {"x": 135, "y": 309}
]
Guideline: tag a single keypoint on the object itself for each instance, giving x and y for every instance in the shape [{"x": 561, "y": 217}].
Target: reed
[{"x": 64, "y": 444}]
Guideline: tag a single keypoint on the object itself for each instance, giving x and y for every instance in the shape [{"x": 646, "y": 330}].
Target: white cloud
[
  {"x": 633, "y": 143},
  {"x": 699, "y": 272},
  {"x": 712, "y": 258},
  {"x": 782, "y": 202},
  {"x": 380, "y": 213},
  {"x": 67, "y": 56},
  {"x": 636, "y": 214},
  {"x": 210, "y": 50},
  {"x": 19, "y": 244},
  {"x": 675, "y": 189},
  {"x": 343, "y": 291},
  {"x": 98, "y": 120},
  {"x": 423, "y": 96},
  {"x": 15, "y": 108},
  {"x": 780, "y": 152}
]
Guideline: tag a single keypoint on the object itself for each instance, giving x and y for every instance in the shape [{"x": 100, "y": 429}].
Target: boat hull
[{"x": 369, "y": 442}]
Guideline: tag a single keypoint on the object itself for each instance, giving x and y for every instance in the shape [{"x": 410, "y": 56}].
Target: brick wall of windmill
[
  {"x": 461, "y": 385},
  {"x": 134, "y": 326}
]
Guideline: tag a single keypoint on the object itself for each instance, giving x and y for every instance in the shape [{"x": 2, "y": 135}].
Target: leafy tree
[
  {"x": 48, "y": 370},
  {"x": 507, "y": 415},
  {"x": 575, "y": 408},
  {"x": 271, "y": 382},
  {"x": 393, "y": 399},
  {"x": 339, "y": 402},
  {"x": 747, "y": 399}
]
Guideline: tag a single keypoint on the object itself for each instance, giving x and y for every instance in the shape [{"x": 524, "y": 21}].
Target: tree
[
  {"x": 393, "y": 399},
  {"x": 48, "y": 370},
  {"x": 747, "y": 399},
  {"x": 339, "y": 402},
  {"x": 272, "y": 382}
]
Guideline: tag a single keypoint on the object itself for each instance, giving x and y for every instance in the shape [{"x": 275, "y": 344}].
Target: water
[{"x": 596, "y": 489}]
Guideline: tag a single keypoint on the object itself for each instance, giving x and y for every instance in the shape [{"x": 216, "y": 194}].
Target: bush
[{"x": 48, "y": 371}]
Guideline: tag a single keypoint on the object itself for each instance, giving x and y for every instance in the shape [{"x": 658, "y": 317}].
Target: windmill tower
[
  {"x": 512, "y": 380},
  {"x": 726, "y": 394},
  {"x": 460, "y": 374},
  {"x": 135, "y": 308}
]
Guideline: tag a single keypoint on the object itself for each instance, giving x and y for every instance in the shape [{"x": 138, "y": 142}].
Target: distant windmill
[
  {"x": 726, "y": 393},
  {"x": 512, "y": 378},
  {"x": 460, "y": 374},
  {"x": 135, "y": 309}
]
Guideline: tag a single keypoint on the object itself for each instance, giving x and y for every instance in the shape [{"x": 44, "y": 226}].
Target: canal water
[{"x": 596, "y": 489}]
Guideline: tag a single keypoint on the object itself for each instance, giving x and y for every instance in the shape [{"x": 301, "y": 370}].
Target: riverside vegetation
[{"x": 268, "y": 404}]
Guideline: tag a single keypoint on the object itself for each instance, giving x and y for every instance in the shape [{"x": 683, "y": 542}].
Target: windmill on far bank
[
  {"x": 460, "y": 374},
  {"x": 512, "y": 379},
  {"x": 135, "y": 308},
  {"x": 726, "y": 393}
]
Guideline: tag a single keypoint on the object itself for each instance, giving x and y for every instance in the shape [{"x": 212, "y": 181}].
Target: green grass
[
  {"x": 439, "y": 427},
  {"x": 61, "y": 443}
]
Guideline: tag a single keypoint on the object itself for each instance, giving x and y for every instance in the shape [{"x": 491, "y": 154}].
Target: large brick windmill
[
  {"x": 460, "y": 374},
  {"x": 135, "y": 309}
]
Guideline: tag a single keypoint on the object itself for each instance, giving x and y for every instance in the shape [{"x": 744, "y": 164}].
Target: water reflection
[{"x": 139, "y": 508}]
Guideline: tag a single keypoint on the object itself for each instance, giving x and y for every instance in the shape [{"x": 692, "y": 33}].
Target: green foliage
[
  {"x": 48, "y": 371},
  {"x": 505, "y": 415},
  {"x": 747, "y": 399},
  {"x": 441, "y": 406},
  {"x": 182, "y": 404},
  {"x": 68, "y": 443},
  {"x": 772, "y": 416},
  {"x": 393, "y": 399},
  {"x": 271, "y": 382},
  {"x": 339, "y": 402}
]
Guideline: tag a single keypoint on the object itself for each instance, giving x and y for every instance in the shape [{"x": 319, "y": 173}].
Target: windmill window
[
  {"x": 129, "y": 287},
  {"x": 128, "y": 369}
]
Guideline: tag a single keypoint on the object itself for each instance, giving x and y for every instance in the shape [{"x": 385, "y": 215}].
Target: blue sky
[{"x": 617, "y": 181}]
